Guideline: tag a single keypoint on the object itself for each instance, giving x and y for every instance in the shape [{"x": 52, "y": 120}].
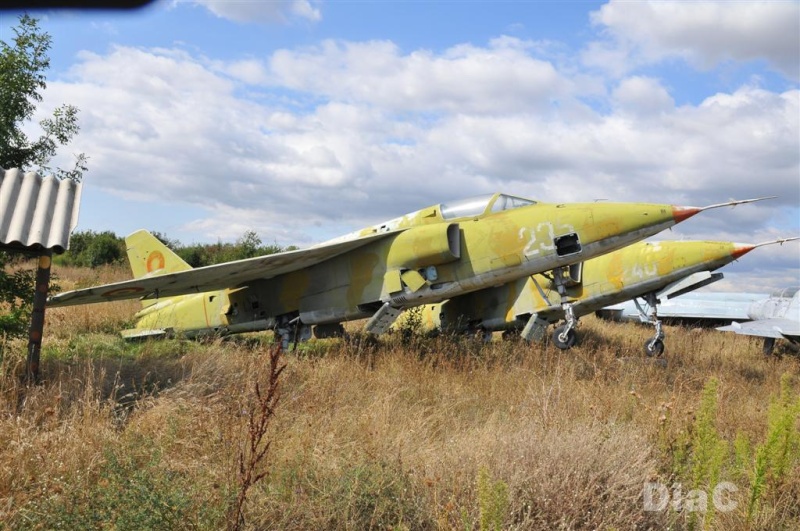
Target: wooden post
[{"x": 37, "y": 317}]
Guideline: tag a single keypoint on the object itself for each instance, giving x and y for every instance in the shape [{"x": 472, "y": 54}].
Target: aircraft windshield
[
  {"x": 475, "y": 206},
  {"x": 786, "y": 292},
  {"x": 507, "y": 202}
]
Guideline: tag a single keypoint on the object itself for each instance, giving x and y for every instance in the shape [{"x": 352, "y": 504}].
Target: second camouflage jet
[{"x": 652, "y": 271}]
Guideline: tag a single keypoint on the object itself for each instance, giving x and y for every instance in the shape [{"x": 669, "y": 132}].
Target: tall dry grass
[
  {"x": 444, "y": 433},
  {"x": 63, "y": 323}
]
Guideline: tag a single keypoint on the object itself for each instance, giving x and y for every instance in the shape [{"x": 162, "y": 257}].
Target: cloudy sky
[{"x": 303, "y": 120}]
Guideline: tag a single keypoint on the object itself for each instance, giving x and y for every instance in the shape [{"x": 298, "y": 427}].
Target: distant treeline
[{"x": 93, "y": 249}]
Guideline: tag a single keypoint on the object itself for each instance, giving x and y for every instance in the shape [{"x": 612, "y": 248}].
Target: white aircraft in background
[
  {"x": 773, "y": 317},
  {"x": 700, "y": 307}
]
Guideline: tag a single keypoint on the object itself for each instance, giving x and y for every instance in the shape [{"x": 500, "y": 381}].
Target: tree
[
  {"x": 248, "y": 245},
  {"x": 92, "y": 249},
  {"x": 22, "y": 78},
  {"x": 15, "y": 301}
]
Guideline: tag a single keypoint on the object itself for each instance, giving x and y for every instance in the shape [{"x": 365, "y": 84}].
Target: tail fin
[{"x": 149, "y": 257}]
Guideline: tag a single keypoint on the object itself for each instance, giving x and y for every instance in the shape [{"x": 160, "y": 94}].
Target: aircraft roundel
[
  {"x": 120, "y": 292},
  {"x": 155, "y": 261}
]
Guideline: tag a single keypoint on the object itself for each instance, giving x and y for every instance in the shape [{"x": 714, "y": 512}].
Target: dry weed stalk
[{"x": 252, "y": 454}]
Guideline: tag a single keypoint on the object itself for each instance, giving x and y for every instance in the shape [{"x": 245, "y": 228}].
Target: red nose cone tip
[
  {"x": 680, "y": 213},
  {"x": 741, "y": 249}
]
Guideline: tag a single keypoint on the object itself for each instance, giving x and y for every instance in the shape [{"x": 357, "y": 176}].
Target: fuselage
[
  {"x": 783, "y": 304},
  {"x": 434, "y": 254},
  {"x": 609, "y": 279}
]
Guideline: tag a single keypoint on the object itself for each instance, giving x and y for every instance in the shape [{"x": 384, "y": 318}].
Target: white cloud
[
  {"x": 258, "y": 11},
  {"x": 464, "y": 78},
  {"x": 248, "y": 71},
  {"x": 642, "y": 96},
  {"x": 704, "y": 33}
]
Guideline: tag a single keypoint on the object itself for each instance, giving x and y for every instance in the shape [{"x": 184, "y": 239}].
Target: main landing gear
[
  {"x": 564, "y": 336},
  {"x": 655, "y": 345},
  {"x": 291, "y": 330}
]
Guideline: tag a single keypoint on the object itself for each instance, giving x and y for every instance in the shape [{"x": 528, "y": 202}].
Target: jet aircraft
[
  {"x": 774, "y": 317},
  {"x": 427, "y": 256},
  {"x": 651, "y": 271},
  {"x": 705, "y": 308}
]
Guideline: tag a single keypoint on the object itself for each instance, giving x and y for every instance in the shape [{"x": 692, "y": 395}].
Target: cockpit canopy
[
  {"x": 786, "y": 292},
  {"x": 482, "y": 204}
]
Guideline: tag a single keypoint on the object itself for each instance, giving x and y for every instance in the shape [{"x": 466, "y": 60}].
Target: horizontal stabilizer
[{"x": 135, "y": 334}]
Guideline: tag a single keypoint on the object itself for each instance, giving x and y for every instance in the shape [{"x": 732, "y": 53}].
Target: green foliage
[
  {"x": 105, "y": 248},
  {"x": 410, "y": 325},
  {"x": 22, "y": 79},
  {"x": 16, "y": 300},
  {"x": 780, "y": 452},
  {"x": 195, "y": 255},
  {"x": 93, "y": 249},
  {"x": 361, "y": 492},
  {"x": 699, "y": 453},
  {"x": 248, "y": 246},
  {"x": 709, "y": 450},
  {"x": 133, "y": 490},
  {"x": 742, "y": 455},
  {"x": 492, "y": 501}
]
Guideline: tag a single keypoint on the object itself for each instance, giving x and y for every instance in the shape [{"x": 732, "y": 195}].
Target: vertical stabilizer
[{"x": 149, "y": 257}]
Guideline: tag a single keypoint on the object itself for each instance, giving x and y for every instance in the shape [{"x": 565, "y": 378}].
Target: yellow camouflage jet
[
  {"x": 430, "y": 255},
  {"x": 652, "y": 271}
]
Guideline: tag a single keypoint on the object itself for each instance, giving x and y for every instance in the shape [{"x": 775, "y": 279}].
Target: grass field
[{"x": 444, "y": 433}]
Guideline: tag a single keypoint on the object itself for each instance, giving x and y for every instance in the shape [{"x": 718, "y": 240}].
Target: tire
[
  {"x": 654, "y": 348},
  {"x": 480, "y": 334},
  {"x": 570, "y": 341}
]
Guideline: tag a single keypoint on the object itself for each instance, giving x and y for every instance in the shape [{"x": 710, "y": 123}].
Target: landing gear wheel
[
  {"x": 480, "y": 334},
  {"x": 566, "y": 342},
  {"x": 654, "y": 348}
]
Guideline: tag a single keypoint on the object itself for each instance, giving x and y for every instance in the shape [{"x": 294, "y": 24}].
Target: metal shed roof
[{"x": 37, "y": 212}]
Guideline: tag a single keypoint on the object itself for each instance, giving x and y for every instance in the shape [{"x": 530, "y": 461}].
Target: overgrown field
[{"x": 445, "y": 433}]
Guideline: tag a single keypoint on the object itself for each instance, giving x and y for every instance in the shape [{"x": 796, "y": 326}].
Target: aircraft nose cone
[
  {"x": 681, "y": 213},
  {"x": 741, "y": 249}
]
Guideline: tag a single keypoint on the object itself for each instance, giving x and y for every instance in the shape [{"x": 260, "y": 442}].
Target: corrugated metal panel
[{"x": 37, "y": 212}]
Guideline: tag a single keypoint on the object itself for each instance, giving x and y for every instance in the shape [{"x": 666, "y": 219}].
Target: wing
[
  {"x": 777, "y": 328},
  {"x": 214, "y": 277}
]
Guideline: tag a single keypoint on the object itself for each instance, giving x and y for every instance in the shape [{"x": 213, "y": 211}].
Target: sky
[{"x": 303, "y": 120}]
